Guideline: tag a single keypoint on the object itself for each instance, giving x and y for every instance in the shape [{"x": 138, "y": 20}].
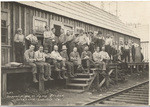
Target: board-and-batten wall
[{"x": 23, "y": 16}]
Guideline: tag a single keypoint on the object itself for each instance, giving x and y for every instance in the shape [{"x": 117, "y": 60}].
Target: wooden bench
[
  {"x": 14, "y": 70},
  {"x": 131, "y": 65}
]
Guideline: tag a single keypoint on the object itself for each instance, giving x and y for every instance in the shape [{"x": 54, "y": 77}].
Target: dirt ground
[{"x": 57, "y": 97}]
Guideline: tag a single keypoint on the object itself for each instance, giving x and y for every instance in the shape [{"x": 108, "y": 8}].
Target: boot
[
  {"x": 50, "y": 78},
  {"x": 64, "y": 69},
  {"x": 34, "y": 78},
  {"x": 59, "y": 77},
  {"x": 63, "y": 75},
  {"x": 43, "y": 78},
  {"x": 70, "y": 74},
  {"x": 57, "y": 69}
]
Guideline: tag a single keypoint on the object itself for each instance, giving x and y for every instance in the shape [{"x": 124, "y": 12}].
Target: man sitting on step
[
  {"x": 45, "y": 68},
  {"x": 86, "y": 58},
  {"x": 68, "y": 64},
  {"x": 59, "y": 62},
  {"x": 76, "y": 60},
  {"x": 30, "y": 60}
]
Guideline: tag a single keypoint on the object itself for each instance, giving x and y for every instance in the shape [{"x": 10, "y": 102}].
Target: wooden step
[
  {"x": 86, "y": 74},
  {"x": 73, "y": 90},
  {"x": 81, "y": 79},
  {"x": 78, "y": 85}
]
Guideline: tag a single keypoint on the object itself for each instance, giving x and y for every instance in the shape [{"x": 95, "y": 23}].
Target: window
[
  {"x": 39, "y": 25},
  {"x": 4, "y": 28}
]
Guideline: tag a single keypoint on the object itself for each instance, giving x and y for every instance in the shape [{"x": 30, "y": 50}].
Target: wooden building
[{"x": 71, "y": 15}]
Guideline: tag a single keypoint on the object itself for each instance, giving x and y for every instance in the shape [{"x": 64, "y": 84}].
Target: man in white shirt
[
  {"x": 104, "y": 58},
  {"x": 32, "y": 40},
  {"x": 58, "y": 61},
  {"x": 45, "y": 68},
  {"x": 49, "y": 38}
]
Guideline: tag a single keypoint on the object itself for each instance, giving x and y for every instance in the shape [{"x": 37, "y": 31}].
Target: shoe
[
  {"x": 44, "y": 79},
  {"x": 57, "y": 69},
  {"x": 64, "y": 69},
  {"x": 35, "y": 80},
  {"x": 59, "y": 77},
  {"x": 50, "y": 78},
  {"x": 70, "y": 74}
]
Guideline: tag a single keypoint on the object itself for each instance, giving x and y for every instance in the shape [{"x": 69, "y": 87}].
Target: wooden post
[
  {"x": 4, "y": 85},
  {"x": 116, "y": 73},
  {"x": 41, "y": 83}
]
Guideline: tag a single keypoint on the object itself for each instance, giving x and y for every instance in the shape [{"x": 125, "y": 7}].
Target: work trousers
[
  {"x": 81, "y": 48},
  {"x": 33, "y": 65},
  {"x": 44, "y": 68},
  {"x": 108, "y": 50},
  {"x": 87, "y": 62},
  {"x": 70, "y": 66},
  {"x": 19, "y": 52},
  {"x": 58, "y": 64},
  {"x": 49, "y": 44},
  {"x": 127, "y": 55}
]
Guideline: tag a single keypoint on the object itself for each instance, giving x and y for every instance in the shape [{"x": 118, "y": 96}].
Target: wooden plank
[
  {"x": 19, "y": 17},
  {"x": 102, "y": 82},
  {"x": 13, "y": 30},
  {"x": 41, "y": 83},
  {"x": 4, "y": 85}
]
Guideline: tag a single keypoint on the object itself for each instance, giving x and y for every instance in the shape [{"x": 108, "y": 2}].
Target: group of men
[{"x": 68, "y": 52}]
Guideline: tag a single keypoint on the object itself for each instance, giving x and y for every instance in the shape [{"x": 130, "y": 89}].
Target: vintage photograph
[{"x": 75, "y": 53}]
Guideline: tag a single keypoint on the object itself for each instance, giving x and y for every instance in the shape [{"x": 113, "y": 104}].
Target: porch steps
[{"x": 81, "y": 82}]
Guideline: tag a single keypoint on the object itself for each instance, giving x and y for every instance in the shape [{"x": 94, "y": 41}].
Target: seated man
[
  {"x": 45, "y": 68},
  {"x": 104, "y": 58},
  {"x": 97, "y": 59},
  {"x": 86, "y": 58},
  {"x": 58, "y": 62},
  {"x": 76, "y": 60},
  {"x": 30, "y": 60},
  {"x": 69, "y": 65}
]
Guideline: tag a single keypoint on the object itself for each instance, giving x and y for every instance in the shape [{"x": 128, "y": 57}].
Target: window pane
[
  {"x": 4, "y": 35},
  {"x": 3, "y": 23}
]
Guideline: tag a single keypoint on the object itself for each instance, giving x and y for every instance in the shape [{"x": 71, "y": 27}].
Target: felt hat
[
  {"x": 64, "y": 47},
  {"x": 19, "y": 29}
]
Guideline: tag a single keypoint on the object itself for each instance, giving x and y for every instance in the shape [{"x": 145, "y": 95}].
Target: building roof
[{"x": 82, "y": 11}]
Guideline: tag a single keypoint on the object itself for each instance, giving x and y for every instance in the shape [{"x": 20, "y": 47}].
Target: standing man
[
  {"x": 76, "y": 60},
  {"x": 68, "y": 64},
  {"x": 19, "y": 42},
  {"x": 59, "y": 62},
  {"x": 108, "y": 43},
  {"x": 99, "y": 40},
  {"x": 127, "y": 52},
  {"x": 86, "y": 58},
  {"x": 121, "y": 51},
  {"x": 30, "y": 60},
  {"x": 105, "y": 60},
  {"x": 62, "y": 38},
  {"x": 32, "y": 39},
  {"x": 49, "y": 38},
  {"x": 133, "y": 51},
  {"x": 93, "y": 41},
  {"x": 45, "y": 68}
]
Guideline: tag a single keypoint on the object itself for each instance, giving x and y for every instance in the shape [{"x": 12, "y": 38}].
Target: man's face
[
  {"x": 47, "y": 28},
  {"x": 20, "y": 32},
  {"x": 68, "y": 33},
  {"x": 62, "y": 31},
  {"x": 41, "y": 49},
  {"x": 53, "y": 30},
  {"x": 32, "y": 48},
  {"x": 56, "y": 48},
  {"x": 46, "y": 51},
  {"x": 103, "y": 48},
  {"x": 86, "y": 48},
  {"x": 75, "y": 49},
  {"x": 97, "y": 49}
]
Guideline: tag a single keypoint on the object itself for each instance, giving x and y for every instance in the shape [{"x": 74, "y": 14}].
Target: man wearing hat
[
  {"x": 62, "y": 38},
  {"x": 19, "y": 42},
  {"x": 99, "y": 40},
  {"x": 32, "y": 39},
  {"x": 68, "y": 64},
  {"x": 59, "y": 62}
]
